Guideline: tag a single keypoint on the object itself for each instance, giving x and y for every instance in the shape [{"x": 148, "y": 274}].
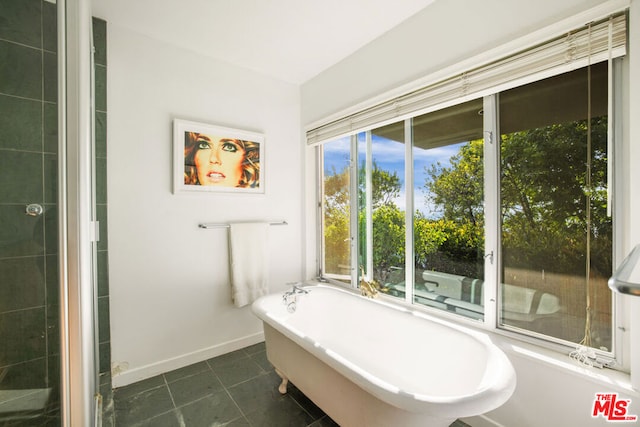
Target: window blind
[{"x": 589, "y": 44}]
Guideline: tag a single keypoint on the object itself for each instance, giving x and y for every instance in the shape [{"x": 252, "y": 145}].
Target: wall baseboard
[{"x": 122, "y": 377}]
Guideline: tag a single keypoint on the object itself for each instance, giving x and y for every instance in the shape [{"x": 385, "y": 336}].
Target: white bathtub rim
[
  {"x": 398, "y": 307},
  {"x": 495, "y": 388}
]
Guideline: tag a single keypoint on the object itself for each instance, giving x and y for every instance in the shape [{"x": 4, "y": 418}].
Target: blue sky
[{"x": 389, "y": 155}]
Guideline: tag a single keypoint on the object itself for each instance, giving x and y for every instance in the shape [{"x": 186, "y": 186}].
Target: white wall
[
  {"x": 169, "y": 283},
  {"x": 632, "y": 191},
  {"x": 551, "y": 391}
]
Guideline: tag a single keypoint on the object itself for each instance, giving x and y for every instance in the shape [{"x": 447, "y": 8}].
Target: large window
[
  {"x": 448, "y": 220},
  {"x": 336, "y": 209},
  {"x": 382, "y": 204},
  {"x": 556, "y": 232},
  {"x": 495, "y": 209}
]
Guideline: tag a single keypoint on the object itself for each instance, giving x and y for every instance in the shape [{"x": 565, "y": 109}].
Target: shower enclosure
[{"x": 49, "y": 239}]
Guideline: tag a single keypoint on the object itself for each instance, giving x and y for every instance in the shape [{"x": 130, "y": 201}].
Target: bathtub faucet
[
  {"x": 295, "y": 289},
  {"x": 290, "y": 297}
]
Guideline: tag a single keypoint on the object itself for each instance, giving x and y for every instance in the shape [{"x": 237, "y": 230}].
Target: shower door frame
[{"x": 77, "y": 224}]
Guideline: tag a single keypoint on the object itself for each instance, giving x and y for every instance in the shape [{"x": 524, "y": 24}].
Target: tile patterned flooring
[{"x": 235, "y": 389}]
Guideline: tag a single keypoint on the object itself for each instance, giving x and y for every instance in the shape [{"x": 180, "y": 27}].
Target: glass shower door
[{"x": 29, "y": 303}]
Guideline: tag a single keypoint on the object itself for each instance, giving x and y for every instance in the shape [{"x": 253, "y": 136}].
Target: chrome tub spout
[{"x": 290, "y": 297}]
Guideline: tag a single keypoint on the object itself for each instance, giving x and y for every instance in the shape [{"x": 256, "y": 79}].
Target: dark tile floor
[{"x": 235, "y": 389}]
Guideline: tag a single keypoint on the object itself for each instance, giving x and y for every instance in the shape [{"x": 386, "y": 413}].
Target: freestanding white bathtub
[{"x": 370, "y": 363}]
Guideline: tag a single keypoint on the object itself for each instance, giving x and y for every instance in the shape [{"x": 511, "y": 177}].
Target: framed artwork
[{"x": 210, "y": 158}]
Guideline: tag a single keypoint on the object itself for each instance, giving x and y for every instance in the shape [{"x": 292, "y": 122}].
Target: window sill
[{"x": 606, "y": 377}]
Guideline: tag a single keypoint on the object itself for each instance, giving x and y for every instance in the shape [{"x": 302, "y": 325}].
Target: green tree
[
  {"x": 553, "y": 191},
  {"x": 388, "y": 220},
  {"x": 388, "y": 240},
  {"x": 385, "y": 186},
  {"x": 544, "y": 193},
  {"x": 458, "y": 189},
  {"x": 336, "y": 220},
  {"x": 429, "y": 235}
]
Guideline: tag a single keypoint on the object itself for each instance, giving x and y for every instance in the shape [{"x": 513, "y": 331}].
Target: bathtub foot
[{"x": 282, "y": 388}]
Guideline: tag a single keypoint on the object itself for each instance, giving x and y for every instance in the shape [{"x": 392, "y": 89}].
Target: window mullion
[
  {"x": 409, "y": 259},
  {"x": 369, "y": 205},
  {"x": 320, "y": 224},
  {"x": 620, "y": 315},
  {"x": 353, "y": 211},
  {"x": 492, "y": 211}
]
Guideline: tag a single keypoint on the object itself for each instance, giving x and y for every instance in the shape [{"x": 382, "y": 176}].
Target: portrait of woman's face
[
  {"x": 206, "y": 161},
  {"x": 218, "y": 161}
]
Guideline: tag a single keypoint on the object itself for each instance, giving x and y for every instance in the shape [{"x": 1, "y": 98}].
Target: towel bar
[{"x": 213, "y": 225}]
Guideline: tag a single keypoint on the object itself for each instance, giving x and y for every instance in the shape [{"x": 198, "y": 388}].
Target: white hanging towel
[{"x": 248, "y": 254}]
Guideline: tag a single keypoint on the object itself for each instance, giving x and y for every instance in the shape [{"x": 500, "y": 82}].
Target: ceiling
[{"x": 291, "y": 40}]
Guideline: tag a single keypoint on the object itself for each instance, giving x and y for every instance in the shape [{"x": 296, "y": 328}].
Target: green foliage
[
  {"x": 546, "y": 180},
  {"x": 336, "y": 193},
  {"x": 458, "y": 189},
  {"x": 553, "y": 197},
  {"x": 385, "y": 186},
  {"x": 429, "y": 236},
  {"x": 336, "y": 220},
  {"x": 388, "y": 239}
]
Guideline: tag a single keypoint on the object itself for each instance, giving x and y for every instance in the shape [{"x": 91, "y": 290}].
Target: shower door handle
[{"x": 34, "y": 209}]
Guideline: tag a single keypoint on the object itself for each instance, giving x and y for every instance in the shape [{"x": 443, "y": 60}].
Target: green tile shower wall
[
  {"x": 17, "y": 116},
  {"x": 29, "y": 303},
  {"x": 23, "y": 283},
  {"x": 26, "y": 176},
  {"x": 21, "y": 22},
  {"x": 104, "y": 332},
  {"x": 20, "y": 70}
]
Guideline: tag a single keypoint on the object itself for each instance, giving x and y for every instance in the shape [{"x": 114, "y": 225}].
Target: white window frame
[{"x": 492, "y": 219}]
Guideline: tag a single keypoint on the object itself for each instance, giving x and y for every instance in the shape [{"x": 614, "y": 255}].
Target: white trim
[
  {"x": 492, "y": 209},
  {"x": 122, "y": 377},
  {"x": 369, "y": 204},
  {"x": 354, "y": 244},
  {"x": 319, "y": 212},
  {"x": 409, "y": 244},
  {"x": 620, "y": 333}
]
